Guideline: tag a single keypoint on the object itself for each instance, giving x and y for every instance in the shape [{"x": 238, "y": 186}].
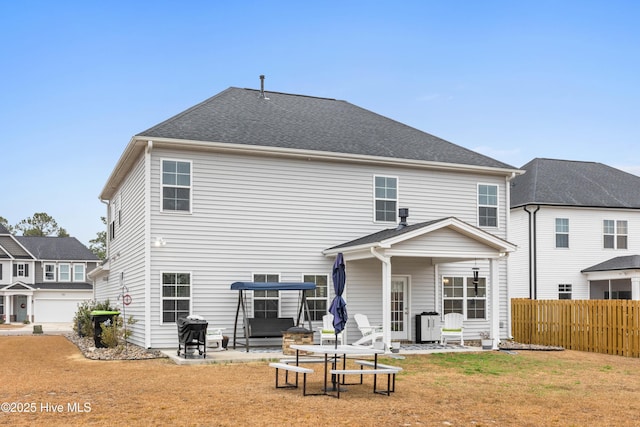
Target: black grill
[{"x": 192, "y": 333}]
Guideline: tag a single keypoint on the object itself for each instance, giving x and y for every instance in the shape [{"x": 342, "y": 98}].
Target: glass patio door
[{"x": 399, "y": 308}]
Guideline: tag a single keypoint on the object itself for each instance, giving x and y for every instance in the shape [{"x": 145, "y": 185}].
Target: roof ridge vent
[{"x": 262, "y": 96}]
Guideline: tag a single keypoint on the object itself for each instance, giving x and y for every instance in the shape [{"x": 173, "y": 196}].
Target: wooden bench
[
  {"x": 291, "y": 368},
  {"x": 269, "y": 327},
  {"x": 375, "y": 372},
  {"x": 372, "y": 364}
]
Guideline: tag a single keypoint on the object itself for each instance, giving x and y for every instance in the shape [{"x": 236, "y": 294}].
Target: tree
[
  {"x": 3, "y": 221},
  {"x": 40, "y": 224},
  {"x": 99, "y": 245}
]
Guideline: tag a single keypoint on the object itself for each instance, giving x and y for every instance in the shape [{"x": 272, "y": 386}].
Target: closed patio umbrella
[{"x": 338, "y": 306}]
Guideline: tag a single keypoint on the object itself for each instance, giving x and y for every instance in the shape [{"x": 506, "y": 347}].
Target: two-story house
[
  {"x": 269, "y": 187},
  {"x": 577, "y": 227},
  {"x": 43, "y": 279}
]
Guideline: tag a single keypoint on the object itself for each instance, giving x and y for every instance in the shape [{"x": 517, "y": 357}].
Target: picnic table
[{"x": 341, "y": 351}]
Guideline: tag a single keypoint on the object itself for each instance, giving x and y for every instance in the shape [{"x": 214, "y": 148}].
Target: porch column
[
  {"x": 386, "y": 297},
  {"x": 30, "y": 308},
  {"x": 6, "y": 301},
  {"x": 635, "y": 288},
  {"x": 495, "y": 302}
]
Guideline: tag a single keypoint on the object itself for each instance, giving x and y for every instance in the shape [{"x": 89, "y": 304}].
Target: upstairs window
[
  {"x": 562, "y": 232},
  {"x": 78, "y": 272},
  {"x": 64, "y": 273},
  {"x": 176, "y": 185},
  {"x": 20, "y": 270},
  {"x": 317, "y": 298},
  {"x": 615, "y": 234},
  {"x": 487, "y": 205},
  {"x": 266, "y": 303},
  {"x": 49, "y": 272},
  {"x": 386, "y": 198}
]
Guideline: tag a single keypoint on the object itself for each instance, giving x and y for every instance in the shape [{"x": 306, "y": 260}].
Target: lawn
[{"x": 50, "y": 379}]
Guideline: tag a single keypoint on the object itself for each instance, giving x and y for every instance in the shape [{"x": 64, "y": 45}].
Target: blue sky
[{"x": 512, "y": 80}]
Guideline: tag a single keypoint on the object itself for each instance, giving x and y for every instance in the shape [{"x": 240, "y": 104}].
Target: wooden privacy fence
[{"x": 598, "y": 326}]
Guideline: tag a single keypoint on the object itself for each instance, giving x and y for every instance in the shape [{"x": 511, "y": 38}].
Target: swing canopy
[{"x": 272, "y": 286}]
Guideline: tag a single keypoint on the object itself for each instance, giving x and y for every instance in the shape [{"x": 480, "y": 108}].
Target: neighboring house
[
  {"x": 577, "y": 227},
  {"x": 248, "y": 186},
  {"x": 43, "y": 279}
]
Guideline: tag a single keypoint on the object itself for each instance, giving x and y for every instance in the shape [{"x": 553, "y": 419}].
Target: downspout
[
  {"x": 533, "y": 250},
  {"x": 147, "y": 244},
  {"x": 106, "y": 255},
  {"x": 386, "y": 297}
]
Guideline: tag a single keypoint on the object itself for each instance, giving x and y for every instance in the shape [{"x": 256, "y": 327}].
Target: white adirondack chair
[
  {"x": 452, "y": 328},
  {"x": 370, "y": 334},
  {"x": 328, "y": 333}
]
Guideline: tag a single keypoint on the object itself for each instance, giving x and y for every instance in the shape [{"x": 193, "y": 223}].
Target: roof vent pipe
[
  {"x": 262, "y": 86},
  {"x": 403, "y": 213}
]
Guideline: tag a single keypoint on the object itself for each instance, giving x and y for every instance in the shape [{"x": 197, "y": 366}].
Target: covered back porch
[{"x": 396, "y": 274}]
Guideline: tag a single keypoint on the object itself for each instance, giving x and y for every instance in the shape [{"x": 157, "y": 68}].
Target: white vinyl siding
[
  {"x": 235, "y": 229},
  {"x": 565, "y": 266}
]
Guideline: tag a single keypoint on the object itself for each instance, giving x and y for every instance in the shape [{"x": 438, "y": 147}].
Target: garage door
[{"x": 55, "y": 310}]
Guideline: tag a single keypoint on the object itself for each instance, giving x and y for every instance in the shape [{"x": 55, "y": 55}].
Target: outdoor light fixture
[
  {"x": 158, "y": 241},
  {"x": 475, "y": 279}
]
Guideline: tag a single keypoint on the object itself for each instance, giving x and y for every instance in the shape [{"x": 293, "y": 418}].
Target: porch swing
[{"x": 269, "y": 327}]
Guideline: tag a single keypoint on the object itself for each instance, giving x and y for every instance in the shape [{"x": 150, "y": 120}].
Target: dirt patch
[{"x": 55, "y": 385}]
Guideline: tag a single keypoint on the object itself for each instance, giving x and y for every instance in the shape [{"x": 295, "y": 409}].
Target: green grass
[{"x": 490, "y": 363}]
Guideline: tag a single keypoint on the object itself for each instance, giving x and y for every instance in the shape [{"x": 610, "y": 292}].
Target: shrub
[
  {"x": 113, "y": 332},
  {"x": 82, "y": 323}
]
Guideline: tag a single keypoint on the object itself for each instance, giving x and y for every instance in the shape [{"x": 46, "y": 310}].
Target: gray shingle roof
[
  {"x": 574, "y": 183},
  {"x": 57, "y": 248},
  {"x": 386, "y": 234},
  {"x": 240, "y": 116},
  {"x": 630, "y": 262},
  {"x": 3, "y": 229}
]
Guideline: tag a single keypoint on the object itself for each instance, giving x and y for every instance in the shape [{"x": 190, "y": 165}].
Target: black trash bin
[{"x": 99, "y": 317}]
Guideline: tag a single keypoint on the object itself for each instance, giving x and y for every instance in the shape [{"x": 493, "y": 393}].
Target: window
[
  {"x": 265, "y": 303},
  {"x": 460, "y": 296},
  {"x": 176, "y": 186},
  {"x": 20, "y": 270},
  {"x": 64, "y": 273},
  {"x": 453, "y": 291},
  {"x": 476, "y": 298},
  {"x": 487, "y": 205},
  {"x": 78, "y": 273},
  {"x": 317, "y": 298},
  {"x": 564, "y": 291},
  {"x": 386, "y": 198},
  {"x": 562, "y": 232},
  {"x": 49, "y": 272},
  {"x": 176, "y": 296},
  {"x": 615, "y": 234}
]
